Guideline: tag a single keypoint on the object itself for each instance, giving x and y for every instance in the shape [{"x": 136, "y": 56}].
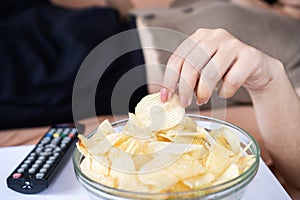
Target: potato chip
[
  {"x": 136, "y": 128},
  {"x": 82, "y": 145},
  {"x": 162, "y": 137},
  {"x": 129, "y": 182},
  {"x": 230, "y": 173},
  {"x": 229, "y": 139},
  {"x": 105, "y": 128},
  {"x": 180, "y": 168},
  {"x": 171, "y": 148},
  {"x": 158, "y": 162},
  {"x": 99, "y": 164},
  {"x": 147, "y": 175},
  {"x": 190, "y": 138},
  {"x": 98, "y": 177},
  {"x": 200, "y": 153},
  {"x": 157, "y": 115},
  {"x": 197, "y": 182},
  {"x": 179, "y": 186},
  {"x": 218, "y": 159},
  {"x": 121, "y": 161},
  {"x": 188, "y": 124},
  {"x": 108, "y": 142},
  {"x": 245, "y": 162},
  {"x": 140, "y": 160},
  {"x": 186, "y": 166}
]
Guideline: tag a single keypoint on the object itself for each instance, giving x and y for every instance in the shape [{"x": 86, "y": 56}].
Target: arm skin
[
  {"x": 277, "y": 110},
  {"x": 211, "y": 56}
]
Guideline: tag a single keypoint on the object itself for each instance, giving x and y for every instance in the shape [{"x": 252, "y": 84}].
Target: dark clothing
[{"x": 41, "y": 50}]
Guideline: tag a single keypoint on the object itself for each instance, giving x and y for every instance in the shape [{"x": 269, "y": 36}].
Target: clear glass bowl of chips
[{"x": 230, "y": 189}]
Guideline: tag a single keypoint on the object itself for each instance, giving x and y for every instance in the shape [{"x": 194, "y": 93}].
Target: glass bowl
[{"x": 232, "y": 189}]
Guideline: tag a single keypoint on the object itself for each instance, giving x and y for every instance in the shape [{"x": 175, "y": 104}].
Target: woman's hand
[
  {"x": 209, "y": 57},
  {"x": 212, "y": 57}
]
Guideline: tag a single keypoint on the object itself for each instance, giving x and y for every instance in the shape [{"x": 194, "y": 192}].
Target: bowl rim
[{"x": 243, "y": 177}]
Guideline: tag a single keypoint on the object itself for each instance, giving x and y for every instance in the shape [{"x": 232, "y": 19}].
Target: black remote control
[{"x": 40, "y": 166}]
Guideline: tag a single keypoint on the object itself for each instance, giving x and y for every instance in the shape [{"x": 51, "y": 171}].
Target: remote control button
[
  {"x": 46, "y": 166},
  {"x": 55, "y": 135},
  {"x": 51, "y": 131},
  {"x": 27, "y": 161},
  {"x": 35, "y": 166},
  {"x": 66, "y": 140},
  {"x": 20, "y": 170},
  {"x": 71, "y": 135},
  {"x": 43, "y": 170},
  {"x": 66, "y": 130},
  {"x": 38, "y": 162},
  {"x": 45, "y": 140},
  {"x": 46, "y": 153},
  {"x": 52, "y": 158},
  {"x": 39, "y": 175},
  {"x": 63, "y": 145},
  {"x": 48, "y": 150},
  {"x": 41, "y": 158},
  {"x": 55, "y": 140},
  {"x": 56, "y": 154},
  {"x": 24, "y": 166},
  {"x": 27, "y": 185},
  {"x": 49, "y": 161},
  {"x": 48, "y": 135},
  {"x": 50, "y": 146},
  {"x": 73, "y": 131},
  {"x": 33, "y": 154},
  {"x": 16, "y": 175},
  {"x": 57, "y": 149},
  {"x": 64, "y": 135},
  {"x": 38, "y": 150},
  {"x": 59, "y": 130},
  {"x": 32, "y": 170},
  {"x": 31, "y": 158}
]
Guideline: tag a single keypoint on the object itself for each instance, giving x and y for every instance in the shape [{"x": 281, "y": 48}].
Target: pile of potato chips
[{"x": 160, "y": 150}]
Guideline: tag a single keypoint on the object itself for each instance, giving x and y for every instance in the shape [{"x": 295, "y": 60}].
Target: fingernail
[
  {"x": 184, "y": 102},
  {"x": 221, "y": 94},
  {"x": 170, "y": 94},
  {"x": 199, "y": 103},
  {"x": 164, "y": 94}
]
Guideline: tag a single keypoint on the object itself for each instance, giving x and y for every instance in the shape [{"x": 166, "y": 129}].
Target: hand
[{"x": 211, "y": 56}]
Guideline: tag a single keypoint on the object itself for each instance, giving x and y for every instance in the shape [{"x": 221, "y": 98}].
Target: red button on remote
[
  {"x": 17, "y": 175},
  {"x": 71, "y": 135}
]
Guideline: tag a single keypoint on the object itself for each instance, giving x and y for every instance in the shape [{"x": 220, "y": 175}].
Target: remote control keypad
[
  {"x": 37, "y": 170},
  {"x": 46, "y": 153}
]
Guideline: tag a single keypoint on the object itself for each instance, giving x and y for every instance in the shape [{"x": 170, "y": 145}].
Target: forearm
[{"x": 277, "y": 109}]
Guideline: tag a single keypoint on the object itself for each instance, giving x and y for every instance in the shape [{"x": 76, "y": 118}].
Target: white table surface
[{"x": 66, "y": 186}]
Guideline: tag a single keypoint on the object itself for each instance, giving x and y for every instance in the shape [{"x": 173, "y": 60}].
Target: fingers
[
  {"x": 193, "y": 64},
  {"x": 212, "y": 57},
  {"x": 213, "y": 72},
  {"x": 176, "y": 63},
  {"x": 249, "y": 71},
  {"x": 235, "y": 78}
]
